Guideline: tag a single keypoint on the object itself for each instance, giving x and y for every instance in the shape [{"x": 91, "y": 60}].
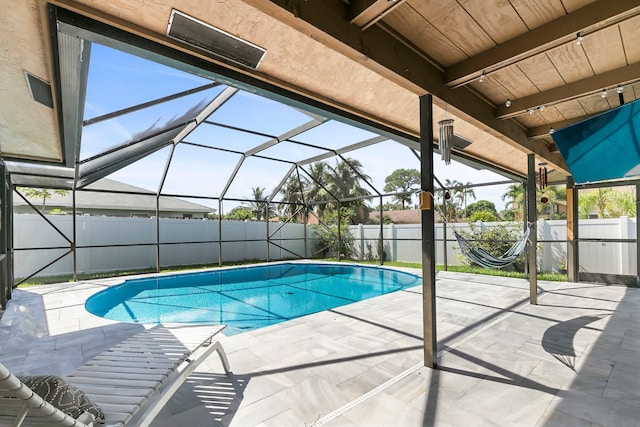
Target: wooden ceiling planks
[
  {"x": 532, "y": 118},
  {"x": 540, "y": 70},
  {"x": 630, "y": 33},
  {"x": 594, "y": 104},
  {"x": 552, "y": 115},
  {"x": 496, "y": 17},
  {"x": 604, "y": 50},
  {"x": 453, "y": 21},
  {"x": 492, "y": 90},
  {"x": 571, "y": 62},
  {"x": 635, "y": 91},
  {"x": 407, "y": 22},
  {"x": 571, "y": 109},
  {"x": 515, "y": 81},
  {"x": 471, "y": 23},
  {"x": 539, "y": 12}
]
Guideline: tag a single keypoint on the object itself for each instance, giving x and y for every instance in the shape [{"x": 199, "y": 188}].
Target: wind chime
[
  {"x": 445, "y": 128},
  {"x": 542, "y": 177}
]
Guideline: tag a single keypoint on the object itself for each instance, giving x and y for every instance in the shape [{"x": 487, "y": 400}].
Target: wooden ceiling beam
[
  {"x": 376, "y": 49},
  {"x": 591, "y": 85},
  {"x": 539, "y": 132},
  {"x": 365, "y": 13},
  {"x": 594, "y": 16}
]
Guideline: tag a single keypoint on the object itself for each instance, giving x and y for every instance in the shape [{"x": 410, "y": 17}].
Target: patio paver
[{"x": 570, "y": 360}]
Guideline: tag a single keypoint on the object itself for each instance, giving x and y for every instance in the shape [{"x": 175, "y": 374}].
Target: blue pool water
[{"x": 245, "y": 298}]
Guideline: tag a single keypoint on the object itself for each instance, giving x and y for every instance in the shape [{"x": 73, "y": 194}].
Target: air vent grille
[
  {"x": 214, "y": 41},
  {"x": 40, "y": 90},
  {"x": 460, "y": 143}
]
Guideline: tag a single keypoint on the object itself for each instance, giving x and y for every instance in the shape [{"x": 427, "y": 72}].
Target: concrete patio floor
[{"x": 571, "y": 360}]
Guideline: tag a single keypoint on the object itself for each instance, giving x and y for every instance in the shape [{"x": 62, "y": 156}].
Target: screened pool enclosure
[
  {"x": 171, "y": 129},
  {"x": 154, "y": 138}
]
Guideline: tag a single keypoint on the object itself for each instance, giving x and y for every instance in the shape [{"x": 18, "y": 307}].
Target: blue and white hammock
[{"x": 485, "y": 259}]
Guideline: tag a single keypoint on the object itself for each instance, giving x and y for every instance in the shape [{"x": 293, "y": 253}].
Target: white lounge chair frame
[{"x": 131, "y": 382}]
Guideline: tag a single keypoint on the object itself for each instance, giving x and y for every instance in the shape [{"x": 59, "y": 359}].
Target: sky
[{"x": 118, "y": 80}]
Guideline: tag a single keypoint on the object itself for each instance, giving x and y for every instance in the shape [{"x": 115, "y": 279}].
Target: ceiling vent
[
  {"x": 460, "y": 143},
  {"x": 40, "y": 90},
  {"x": 214, "y": 41}
]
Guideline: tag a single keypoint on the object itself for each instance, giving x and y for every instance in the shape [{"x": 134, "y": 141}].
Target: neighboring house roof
[
  {"x": 407, "y": 216},
  {"x": 117, "y": 201}
]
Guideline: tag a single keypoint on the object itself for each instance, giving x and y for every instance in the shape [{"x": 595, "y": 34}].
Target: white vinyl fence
[
  {"x": 183, "y": 242},
  {"x": 402, "y": 243},
  {"x": 192, "y": 242}
]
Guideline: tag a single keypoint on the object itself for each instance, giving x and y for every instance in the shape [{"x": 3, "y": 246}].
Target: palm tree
[
  {"x": 258, "y": 205},
  {"x": 292, "y": 195},
  {"x": 313, "y": 186},
  {"x": 586, "y": 203},
  {"x": 41, "y": 193},
  {"x": 623, "y": 204},
  {"x": 451, "y": 206},
  {"x": 514, "y": 197},
  {"x": 553, "y": 194},
  {"x": 463, "y": 192},
  {"x": 599, "y": 200},
  {"x": 344, "y": 179},
  {"x": 603, "y": 199},
  {"x": 548, "y": 193}
]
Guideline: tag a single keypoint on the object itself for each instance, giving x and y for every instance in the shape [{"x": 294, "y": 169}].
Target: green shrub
[
  {"x": 327, "y": 234},
  {"x": 484, "y": 216}
]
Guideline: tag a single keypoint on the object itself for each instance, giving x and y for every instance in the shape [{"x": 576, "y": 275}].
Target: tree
[
  {"x": 508, "y": 215},
  {"x": 402, "y": 180},
  {"x": 602, "y": 199},
  {"x": 623, "y": 204},
  {"x": 239, "y": 213},
  {"x": 391, "y": 207},
  {"x": 553, "y": 194},
  {"x": 514, "y": 198},
  {"x": 292, "y": 195},
  {"x": 481, "y": 206},
  {"x": 41, "y": 193},
  {"x": 608, "y": 203},
  {"x": 598, "y": 200},
  {"x": 484, "y": 216},
  {"x": 313, "y": 186},
  {"x": 258, "y": 206},
  {"x": 464, "y": 192},
  {"x": 449, "y": 203},
  {"x": 327, "y": 234},
  {"x": 344, "y": 181}
]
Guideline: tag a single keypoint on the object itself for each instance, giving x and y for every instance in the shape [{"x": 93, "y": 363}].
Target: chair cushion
[{"x": 64, "y": 396}]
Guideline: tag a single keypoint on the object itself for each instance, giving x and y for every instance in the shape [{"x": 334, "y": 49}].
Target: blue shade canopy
[{"x": 604, "y": 147}]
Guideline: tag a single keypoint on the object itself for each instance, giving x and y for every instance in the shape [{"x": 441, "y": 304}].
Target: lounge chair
[{"x": 128, "y": 383}]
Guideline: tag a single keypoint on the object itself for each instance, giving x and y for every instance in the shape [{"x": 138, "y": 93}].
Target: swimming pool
[{"x": 245, "y": 298}]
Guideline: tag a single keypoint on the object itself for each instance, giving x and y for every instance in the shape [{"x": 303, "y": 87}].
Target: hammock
[{"x": 485, "y": 259}]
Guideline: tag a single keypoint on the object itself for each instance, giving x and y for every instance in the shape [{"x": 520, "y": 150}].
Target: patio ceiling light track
[{"x": 589, "y": 86}]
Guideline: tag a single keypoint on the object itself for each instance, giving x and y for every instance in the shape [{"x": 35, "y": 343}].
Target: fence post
[
  {"x": 360, "y": 236},
  {"x": 393, "y": 253},
  {"x": 624, "y": 253},
  {"x": 543, "y": 232}
]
